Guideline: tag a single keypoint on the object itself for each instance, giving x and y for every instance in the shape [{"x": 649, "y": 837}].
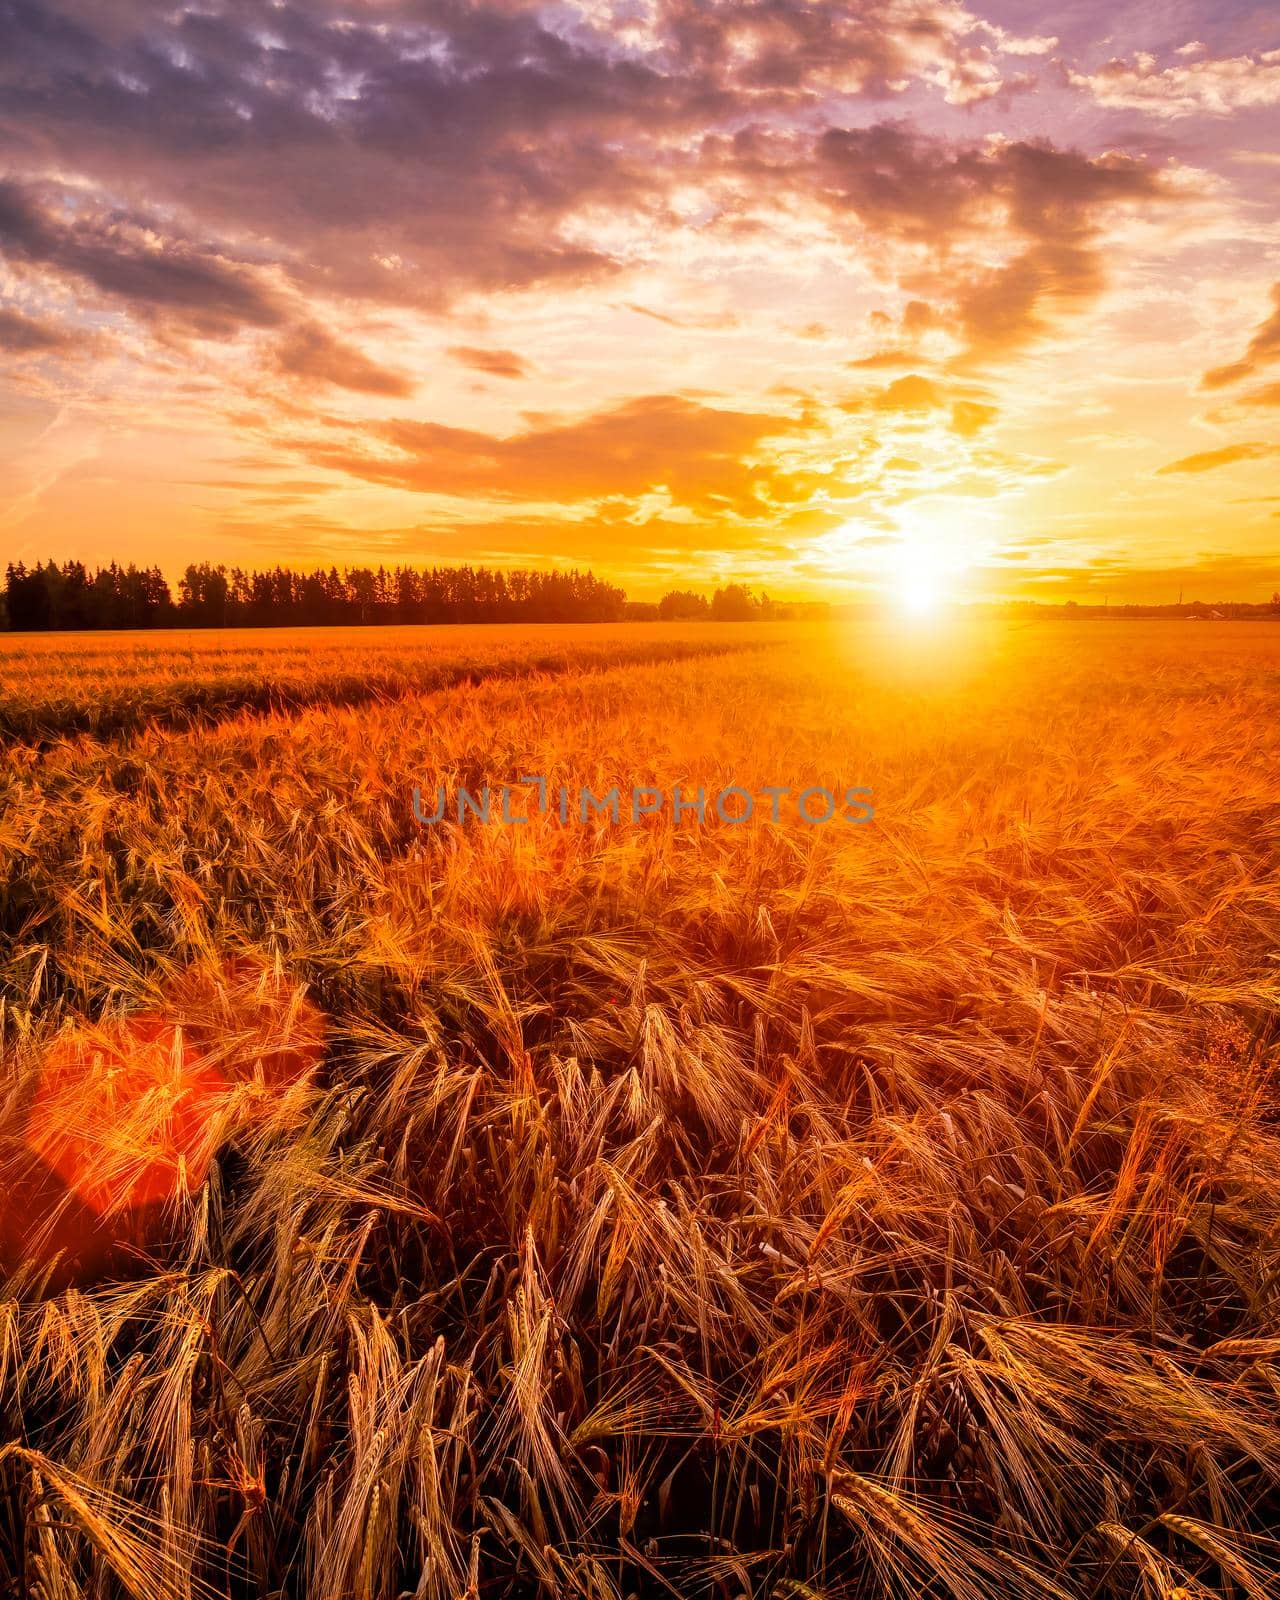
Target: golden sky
[{"x": 826, "y": 296}]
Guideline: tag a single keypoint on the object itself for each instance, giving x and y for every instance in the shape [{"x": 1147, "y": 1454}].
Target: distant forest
[{"x": 48, "y": 597}]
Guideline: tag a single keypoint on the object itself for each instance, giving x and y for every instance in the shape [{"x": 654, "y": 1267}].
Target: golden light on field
[
  {"x": 591, "y": 1004},
  {"x": 126, "y": 1116},
  {"x": 473, "y": 1209}
]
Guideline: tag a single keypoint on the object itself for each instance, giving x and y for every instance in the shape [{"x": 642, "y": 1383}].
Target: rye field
[{"x": 644, "y": 1207}]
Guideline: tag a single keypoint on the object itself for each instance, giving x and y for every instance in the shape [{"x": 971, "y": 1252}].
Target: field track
[{"x": 109, "y": 684}]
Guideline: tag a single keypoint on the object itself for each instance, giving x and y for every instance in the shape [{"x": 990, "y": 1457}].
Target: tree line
[
  {"x": 50, "y": 597},
  {"x": 734, "y": 603}
]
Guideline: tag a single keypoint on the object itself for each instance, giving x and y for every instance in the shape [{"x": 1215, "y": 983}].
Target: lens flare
[
  {"x": 128, "y": 1114},
  {"x": 123, "y": 1114}
]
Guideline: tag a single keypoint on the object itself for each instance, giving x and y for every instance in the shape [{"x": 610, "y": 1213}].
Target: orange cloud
[
  {"x": 497, "y": 363},
  {"x": 912, "y": 393},
  {"x": 23, "y": 335},
  {"x": 1263, "y": 347},
  {"x": 1267, "y": 395},
  {"x": 1209, "y": 460},
  {"x": 311, "y": 353},
  {"x": 968, "y": 417},
  {"x": 704, "y": 458}
]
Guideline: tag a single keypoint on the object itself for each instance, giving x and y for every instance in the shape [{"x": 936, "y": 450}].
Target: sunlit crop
[{"x": 641, "y": 1208}]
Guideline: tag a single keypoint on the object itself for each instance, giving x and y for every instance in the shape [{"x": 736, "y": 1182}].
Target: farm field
[
  {"x": 643, "y": 1207},
  {"x": 109, "y": 683}
]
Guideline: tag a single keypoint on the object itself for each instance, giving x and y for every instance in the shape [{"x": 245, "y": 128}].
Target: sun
[
  {"x": 917, "y": 594},
  {"x": 931, "y": 564},
  {"x": 926, "y": 563},
  {"x": 915, "y": 577}
]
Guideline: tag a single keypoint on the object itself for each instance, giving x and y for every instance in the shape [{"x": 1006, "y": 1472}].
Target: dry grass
[
  {"x": 835, "y": 1211},
  {"x": 109, "y": 683}
]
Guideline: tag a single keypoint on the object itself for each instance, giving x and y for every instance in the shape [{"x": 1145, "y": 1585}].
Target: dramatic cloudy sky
[{"x": 826, "y": 294}]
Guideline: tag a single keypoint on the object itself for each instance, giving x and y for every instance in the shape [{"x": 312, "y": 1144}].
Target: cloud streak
[
  {"x": 692, "y": 456},
  {"x": 1263, "y": 348},
  {"x": 1228, "y": 456}
]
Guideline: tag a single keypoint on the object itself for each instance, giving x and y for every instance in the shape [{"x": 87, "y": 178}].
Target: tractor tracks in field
[{"x": 42, "y": 723}]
